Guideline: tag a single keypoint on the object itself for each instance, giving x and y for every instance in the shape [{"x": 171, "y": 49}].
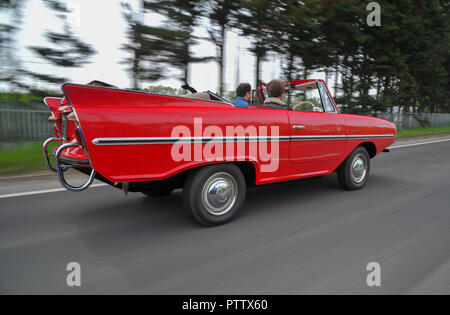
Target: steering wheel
[{"x": 296, "y": 106}]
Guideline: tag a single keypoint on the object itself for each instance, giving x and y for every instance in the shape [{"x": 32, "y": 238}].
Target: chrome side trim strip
[
  {"x": 371, "y": 137},
  {"x": 182, "y": 140},
  {"x": 172, "y": 140},
  {"x": 306, "y": 138}
]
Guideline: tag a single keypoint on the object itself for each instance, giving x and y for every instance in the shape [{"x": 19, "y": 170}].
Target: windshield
[{"x": 302, "y": 97}]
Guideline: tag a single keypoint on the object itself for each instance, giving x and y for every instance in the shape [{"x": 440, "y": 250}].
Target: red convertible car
[{"x": 154, "y": 144}]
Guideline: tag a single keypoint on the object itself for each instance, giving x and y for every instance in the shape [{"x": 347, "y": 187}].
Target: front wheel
[
  {"x": 353, "y": 173},
  {"x": 214, "y": 194}
]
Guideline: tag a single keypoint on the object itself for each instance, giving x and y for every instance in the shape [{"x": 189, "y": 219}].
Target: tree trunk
[
  {"x": 186, "y": 64},
  {"x": 289, "y": 74},
  {"x": 351, "y": 86},
  {"x": 186, "y": 74},
  {"x": 136, "y": 67},
  {"x": 258, "y": 69},
  {"x": 290, "y": 67},
  {"x": 305, "y": 73},
  {"x": 378, "y": 88},
  {"x": 221, "y": 59},
  {"x": 336, "y": 78}
]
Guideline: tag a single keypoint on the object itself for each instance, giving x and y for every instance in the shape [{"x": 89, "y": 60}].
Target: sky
[{"x": 100, "y": 23}]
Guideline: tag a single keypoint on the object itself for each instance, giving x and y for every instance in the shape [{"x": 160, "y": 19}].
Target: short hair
[
  {"x": 275, "y": 88},
  {"x": 243, "y": 89}
]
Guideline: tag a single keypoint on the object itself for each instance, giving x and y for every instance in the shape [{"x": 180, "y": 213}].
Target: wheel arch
[
  {"x": 248, "y": 169},
  {"x": 370, "y": 147}
]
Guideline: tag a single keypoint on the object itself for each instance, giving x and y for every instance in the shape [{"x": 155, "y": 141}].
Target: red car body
[{"x": 126, "y": 137}]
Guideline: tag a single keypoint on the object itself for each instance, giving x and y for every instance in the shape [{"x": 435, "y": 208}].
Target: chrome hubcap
[
  {"x": 219, "y": 194},
  {"x": 359, "y": 168}
]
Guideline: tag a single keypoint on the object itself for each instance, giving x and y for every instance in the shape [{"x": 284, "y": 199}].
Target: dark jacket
[{"x": 276, "y": 103}]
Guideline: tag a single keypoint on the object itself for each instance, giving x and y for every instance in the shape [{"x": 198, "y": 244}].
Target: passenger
[
  {"x": 275, "y": 93},
  {"x": 243, "y": 95}
]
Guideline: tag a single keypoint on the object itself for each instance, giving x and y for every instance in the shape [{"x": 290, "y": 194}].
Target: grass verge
[
  {"x": 416, "y": 132},
  {"x": 21, "y": 158}
]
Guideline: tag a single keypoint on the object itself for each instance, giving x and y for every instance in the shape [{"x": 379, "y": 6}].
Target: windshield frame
[{"x": 218, "y": 98}]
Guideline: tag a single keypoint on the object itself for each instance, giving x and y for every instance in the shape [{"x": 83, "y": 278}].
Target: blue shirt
[{"x": 240, "y": 102}]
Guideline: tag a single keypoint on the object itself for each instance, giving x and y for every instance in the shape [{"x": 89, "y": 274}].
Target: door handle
[{"x": 299, "y": 127}]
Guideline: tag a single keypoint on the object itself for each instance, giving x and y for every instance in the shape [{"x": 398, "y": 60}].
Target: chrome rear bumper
[{"x": 61, "y": 167}]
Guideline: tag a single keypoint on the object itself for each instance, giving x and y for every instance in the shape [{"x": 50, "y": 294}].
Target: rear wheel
[
  {"x": 354, "y": 172},
  {"x": 214, "y": 194}
]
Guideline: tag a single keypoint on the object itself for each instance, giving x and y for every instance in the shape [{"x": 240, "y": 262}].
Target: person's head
[
  {"x": 244, "y": 90},
  {"x": 275, "y": 88}
]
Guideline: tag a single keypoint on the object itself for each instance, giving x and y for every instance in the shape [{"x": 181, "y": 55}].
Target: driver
[{"x": 275, "y": 92}]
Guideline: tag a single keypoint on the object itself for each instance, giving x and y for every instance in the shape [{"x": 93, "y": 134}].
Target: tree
[
  {"x": 429, "y": 57},
  {"x": 9, "y": 62},
  {"x": 257, "y": 20},
  {"x": 409, "y": 67},
  {"x": 340, "y": 25},
  {"x": 65, "y": 49},
  {"x": 151, "y": 48},
  {"x": 220, "y": 14},
  {"x": 183, "y": 16},
  {"x": 297, "y": 37}
]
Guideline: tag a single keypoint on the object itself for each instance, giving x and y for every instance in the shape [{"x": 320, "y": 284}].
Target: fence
[
  {"x": 29, "y": 122},
  {"x": 24, "y": 122},
  {"x": 413, "y": 120}
]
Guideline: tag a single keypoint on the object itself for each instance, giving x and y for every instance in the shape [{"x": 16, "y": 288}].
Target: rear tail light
[{"x": 64, "y": 110}]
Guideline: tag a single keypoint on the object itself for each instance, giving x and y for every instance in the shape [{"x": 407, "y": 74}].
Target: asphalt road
[{"x": 292, "y": 238}]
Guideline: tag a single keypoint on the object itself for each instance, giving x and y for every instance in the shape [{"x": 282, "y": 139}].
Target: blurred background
[{"x": 398, "y": 71}]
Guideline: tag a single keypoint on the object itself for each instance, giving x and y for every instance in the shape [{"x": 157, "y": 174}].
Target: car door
[{"x": 320, "y": 135}]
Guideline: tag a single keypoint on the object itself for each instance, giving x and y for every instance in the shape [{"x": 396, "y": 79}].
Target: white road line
[
  {"x": 38, "y": 192},
  {"x": 417, "y": 144}
]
